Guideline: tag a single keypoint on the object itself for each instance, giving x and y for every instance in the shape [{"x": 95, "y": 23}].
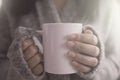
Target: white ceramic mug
[{"x": 54, "y": 41}]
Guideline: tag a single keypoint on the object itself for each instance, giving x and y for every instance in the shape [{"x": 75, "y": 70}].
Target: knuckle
[
  {"x": 34, "y": 49},
  {"x": 30, "y": 52},
  {"x": 34, "y": 61},
  {"x": 79, "y": 47},
  {"x": 37, "y": 57},
  {"x": 26, "y": 43},
  {"x": 77, "y": 57},
  {"x": 38, "y": 69},
  {"x": 70, "y": 44}
]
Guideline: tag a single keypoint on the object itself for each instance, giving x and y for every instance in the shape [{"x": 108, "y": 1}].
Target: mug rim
[{"x": 44, "y": 25}]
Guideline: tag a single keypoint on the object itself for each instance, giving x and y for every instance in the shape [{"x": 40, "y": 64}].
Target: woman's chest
[{"x": 29, "y": 21}]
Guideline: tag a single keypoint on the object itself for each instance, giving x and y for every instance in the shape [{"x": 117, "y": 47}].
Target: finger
[
  {"x": 80, "y": 67},
  {"x": 87, "y": 49},
  {"x": 31, "y": 51},
  {"x": 38, "y": 69},
  {"x": 88, "y": 32},
  {"x": 35, "y": 60},
  {"x": 26, "y": 43},
  {"x": 85, "y": 38},
  {"x": 86, "y": 60}
]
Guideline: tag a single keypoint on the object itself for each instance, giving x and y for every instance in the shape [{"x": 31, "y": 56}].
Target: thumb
[{"x": 88, "y": 31}]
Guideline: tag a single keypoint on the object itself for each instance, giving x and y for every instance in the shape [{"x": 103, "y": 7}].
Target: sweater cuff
[
  {"x": 92, "y": 73},
  {"x": 15, "y": 53}
]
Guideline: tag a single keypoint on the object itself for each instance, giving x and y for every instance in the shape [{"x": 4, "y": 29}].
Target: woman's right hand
[{"x": 33, "y": 56}]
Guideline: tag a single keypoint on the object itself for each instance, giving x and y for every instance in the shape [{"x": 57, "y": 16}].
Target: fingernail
[
  {"x": 71, "y": 54},
  {"x": 70, "y": 44}
]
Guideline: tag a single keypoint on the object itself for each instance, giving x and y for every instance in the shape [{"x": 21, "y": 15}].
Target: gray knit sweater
[{"x": 14, "y": 29}]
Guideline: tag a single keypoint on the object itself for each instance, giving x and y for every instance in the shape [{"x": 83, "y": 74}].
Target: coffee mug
[{"x": 54, "y": 46}]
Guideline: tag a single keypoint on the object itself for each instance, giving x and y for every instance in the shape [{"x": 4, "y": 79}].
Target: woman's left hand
[{"x": 83, "y": 51}]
